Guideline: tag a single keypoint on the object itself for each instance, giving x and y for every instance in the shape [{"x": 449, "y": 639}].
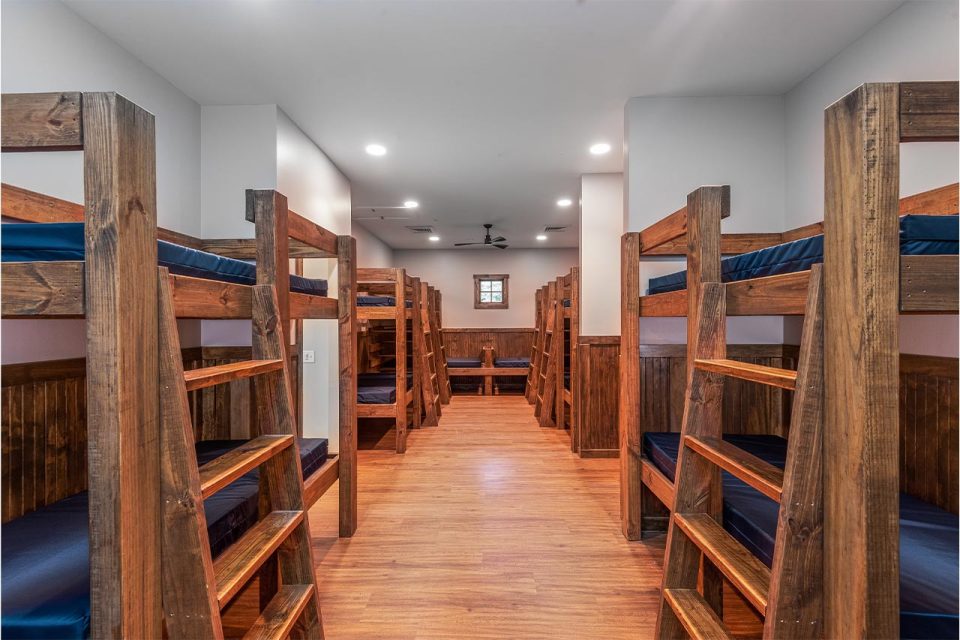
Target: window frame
[{"x": 480, "y": 277}]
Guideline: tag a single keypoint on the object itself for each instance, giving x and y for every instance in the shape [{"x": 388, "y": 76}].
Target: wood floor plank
[{"x": 487, "y": 527}]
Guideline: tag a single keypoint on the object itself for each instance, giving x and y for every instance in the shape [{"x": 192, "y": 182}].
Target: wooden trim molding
[{"x": 478, "y": 277}]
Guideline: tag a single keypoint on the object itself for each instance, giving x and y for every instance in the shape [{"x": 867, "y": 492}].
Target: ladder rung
[
  {"x": 696, "y": 616},
  {"x": 219, "y": 473},
  {"x": 281, "y": 613},
  {"x": 235, "y": 566},
  {"x": 759, "y": 474},
  {"x": 210, "y": 376},
  {"x": 783, "y": 378},
  {"x": 750, "y": 576}
]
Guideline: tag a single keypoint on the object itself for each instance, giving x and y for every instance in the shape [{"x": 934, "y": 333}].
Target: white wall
[
  {"x": 675, "y": 145},
  {"x": 46, "y": 47},
  {"x": 918, "y": 41},
  {"x": 601, "y": 225},
  {"x": 452, "y": 270},
  {"x": 372, "y": 252}
]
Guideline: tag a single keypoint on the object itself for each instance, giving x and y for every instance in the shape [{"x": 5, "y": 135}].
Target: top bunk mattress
[
  {"x": 928, "y": 535},
  {"x": 62, "y": 241},
  {"x": 919, "y": 235}
]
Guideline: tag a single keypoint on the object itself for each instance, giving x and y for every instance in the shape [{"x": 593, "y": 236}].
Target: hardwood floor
[{"x": 488, "y": 527}]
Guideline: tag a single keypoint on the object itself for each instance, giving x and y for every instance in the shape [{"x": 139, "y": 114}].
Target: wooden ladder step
[
  {"x": 696, "y": 616},
  {"x": 219, "y": 473},
  {"x": 744, "y": 571},
  {"x": 281, "y": 613},
  {"x": 235, "y": 566},
  {"x": 772, "y": 376},
  {"x": 210, "y": 376},
  {"x": 759, "y": 474}
]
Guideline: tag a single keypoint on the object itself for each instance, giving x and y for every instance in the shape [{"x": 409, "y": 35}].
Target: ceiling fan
[{"x": 487, "y": 240}]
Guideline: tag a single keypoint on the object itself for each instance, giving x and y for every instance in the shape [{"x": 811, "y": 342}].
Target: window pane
[
  {"x": 484, "y": 296},
  {"x": 498, "y": 296},
  {"x": 485, "y": 285},
  {"x": 497, "y": 285}
]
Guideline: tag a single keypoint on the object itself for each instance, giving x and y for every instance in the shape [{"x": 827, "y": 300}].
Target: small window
[{"x": 490, "y": 291}]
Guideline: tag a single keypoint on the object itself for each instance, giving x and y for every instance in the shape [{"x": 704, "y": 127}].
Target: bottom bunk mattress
[
  {"x": 928, "y": 535},
  {"x": 465, "y": 383},
  {"x": 379, "y": 387},
  {"x": 511, "y": 363},
  {"x": 45, "y": 584}
]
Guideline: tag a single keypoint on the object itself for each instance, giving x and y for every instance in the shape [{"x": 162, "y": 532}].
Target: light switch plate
[{"x": 308, "y": 356}]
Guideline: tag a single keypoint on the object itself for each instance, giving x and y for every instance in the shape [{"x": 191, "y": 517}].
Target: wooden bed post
[
  {"x": 629, "y": 406},
  {"x": 267, "y": 209},
  {"x": 400, "y": 341},
  {"x": 122, "y": 367},
  {"x": 347, "y": 468},
  {"x": 574, "y": 352},
  {"x": 560, "y": 349},
  {"x": 860, "y": 445},
  {"x": 706, "y": 206}
]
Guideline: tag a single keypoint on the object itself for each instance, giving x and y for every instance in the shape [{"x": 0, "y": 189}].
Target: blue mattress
[
  {"x": 45, "y": 582},
  {"x": 566, "y": 302},
  {"x": 919, "y": 235},
  {"x": 380, "y": 301},
  {"x": 464, "y": 363},
  {"x": 511, "y": 363},
  {"x": 928, "y": 536},
  {"x": 54, "y": 242},
  {"x": 379, "y": 387}
]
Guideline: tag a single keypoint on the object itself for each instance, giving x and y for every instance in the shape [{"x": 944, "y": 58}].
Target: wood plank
[
  {"x": 220, "y": 472},
  {"x": 119, "y": 163},
  {"x": 806, "y": 231},
  {"x": 659, "y": 484},
  {"x": 773, "y": 376},
  {"x": 29, "y": 206},
  {"x": 42, "y": 121},
  {"x": 235, "y": 566},
  {"x": 744, "y": 571},
  {"x": 317, "y": 483},
  {"x": 761, "y": 475},
  {"x": 664, "y": 230},
  {"x": 43, "y": 289},
  {"x": 211, "y": 299},
  {"x": 928, "y": 284},
  {"x": 928, "y": 111},
  {"x": 780, "y": 295},
  {"x": 246, "y": 248},
  {"x": 280, "y": 616},
  {"x": 369, "y": 275},
  {"x": 628, "y": 406},
  {"x": 696, "y": 616},
  {"x": 347, "y": 349},
  {"x": 861, "y": 257},
  {"x": 312, "y": 234},
  {"x": 310, "y": 307},
  {"x": 795, "y": 608},
  {"x": 730, "y": 244},
  {"x": 377, "y": 410},
  {"x": 376, "y": 313},
  {"x": 221, "y": 374},
  {"x": 942, "y": 201}
]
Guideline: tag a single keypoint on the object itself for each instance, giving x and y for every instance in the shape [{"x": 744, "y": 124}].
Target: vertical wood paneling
[{"x": 598, "y": 362}]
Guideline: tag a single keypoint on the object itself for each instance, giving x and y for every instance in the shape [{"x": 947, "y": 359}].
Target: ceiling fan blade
[
  {"x": 499, "y": 239},
  {"x": 465, "y": 244},
  {"x": 501, "y": 246}
]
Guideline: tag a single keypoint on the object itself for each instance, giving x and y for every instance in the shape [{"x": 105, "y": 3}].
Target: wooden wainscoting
[
  {"x": 44, "y": 426},
  {"x": 598, "y": 397},
  {"x": 928, "y": 429},
  {"x": 469, "y": 343}
]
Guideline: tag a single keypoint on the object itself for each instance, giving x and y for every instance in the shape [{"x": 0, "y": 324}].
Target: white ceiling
[{"x": 487, "y": 108}]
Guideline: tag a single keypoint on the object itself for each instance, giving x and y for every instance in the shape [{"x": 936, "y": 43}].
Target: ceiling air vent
[
  {"x": 552, "y": 229},
  {"x": 416, "y": 229}
]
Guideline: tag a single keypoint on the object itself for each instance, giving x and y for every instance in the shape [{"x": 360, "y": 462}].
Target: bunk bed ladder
[
  {"x": 197, "y": 587},
  {"x": 547, "y": 379},
  {"x": 436, "y": 345},
  {"x": 422, "y": 346},
  {"x": 789, "y": 595},
  {"x": 535, "y": 350}
]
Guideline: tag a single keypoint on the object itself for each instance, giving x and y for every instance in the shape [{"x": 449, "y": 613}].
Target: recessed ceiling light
[
  {"x": 599, "y": 148},
  {"x": 411, "y": 204},
  {"x": 376, "y": 150},
  {"x": 564, "y": 202},
  {"x": 434, "y": 238},
  {"x": 542, "y": 237}
]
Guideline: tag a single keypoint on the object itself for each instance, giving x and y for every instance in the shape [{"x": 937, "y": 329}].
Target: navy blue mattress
[
  {"x": 45, "y": 554},
  {"x": 464, "y": 363},
  {"x": 566, "y": 302},
  {"x": 379, "y": 387},
  {"x": 380, "y": 301},
  {"x": 919, "y": 235},
  {"x": 928, "y": 536},
  {"x": 60, "y": 241},
  {"x": 511, "y": 363}
]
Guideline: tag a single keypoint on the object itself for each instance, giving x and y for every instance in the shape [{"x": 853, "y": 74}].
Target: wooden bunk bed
[
  {"x": 551, "y": 382},
  {"x": 847, "y": 525},
  {"x": 433, "y": 299},
  {"x": 568, "y": 289},
  {"x": 147, "y": 491},
  {"x": 386, "y": 305}
]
